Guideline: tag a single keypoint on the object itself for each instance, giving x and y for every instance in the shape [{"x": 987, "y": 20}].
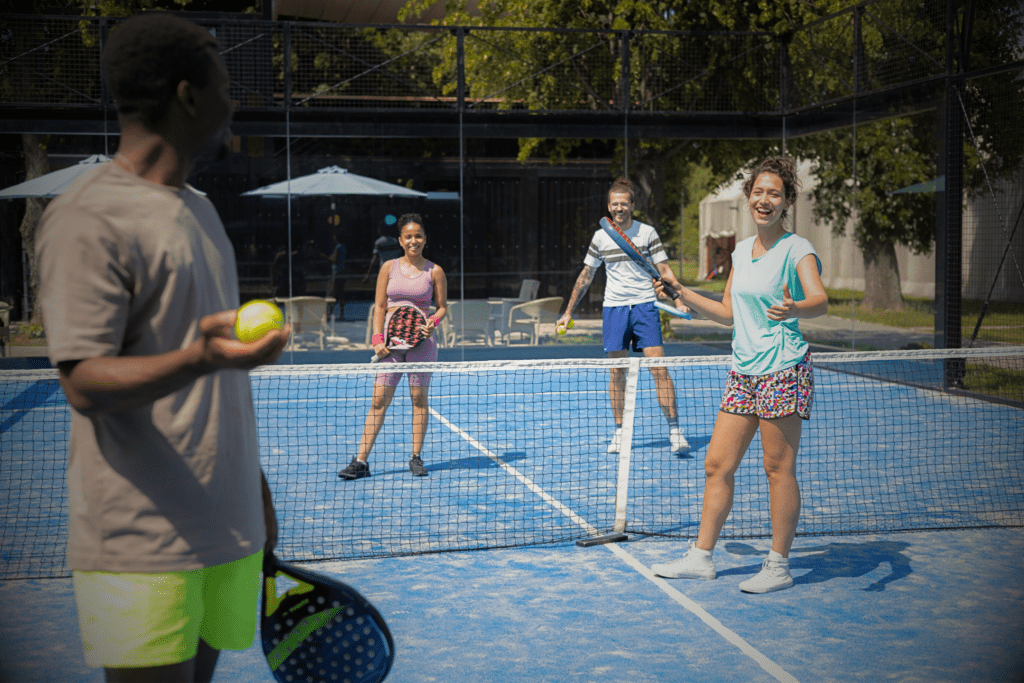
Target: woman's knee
[
  {"x": 419, "y": 397},
  {"x": 720, "y": 468}
]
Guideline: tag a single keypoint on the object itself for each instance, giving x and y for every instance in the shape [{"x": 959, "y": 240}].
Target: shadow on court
[
  {"x": 834, "y": 561},
  {"x": 18, "y": 407},
  {"x": 697, "y": 443},
  {"x": 476, "y": 462}
]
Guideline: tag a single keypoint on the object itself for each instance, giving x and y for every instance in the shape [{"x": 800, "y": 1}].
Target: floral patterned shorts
[{"x": 771, "y": 396}]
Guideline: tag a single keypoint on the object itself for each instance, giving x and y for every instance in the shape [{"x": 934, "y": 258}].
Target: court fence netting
[{"x": 517, "y": 454}]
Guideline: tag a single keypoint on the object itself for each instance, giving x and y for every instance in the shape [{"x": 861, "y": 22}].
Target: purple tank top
[{"x": 418, "y": 290}]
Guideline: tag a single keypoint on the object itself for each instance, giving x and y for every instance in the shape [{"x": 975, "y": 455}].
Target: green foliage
[
  {"x": 582, "y": 72},
  {"x": 890, "y": 155},
  {"x": 698, "y": 182}
]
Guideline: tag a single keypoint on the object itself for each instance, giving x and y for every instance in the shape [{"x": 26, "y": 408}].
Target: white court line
[
  {"x": 733, "y": 638},
  {"x": 517, "y": 474}
]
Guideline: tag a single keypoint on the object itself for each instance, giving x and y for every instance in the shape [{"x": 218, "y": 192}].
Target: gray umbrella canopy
[
  {"x": 53, "y": 184},
  {"x": 937, "y": 185},
  {"x": 332, "y": 181}
]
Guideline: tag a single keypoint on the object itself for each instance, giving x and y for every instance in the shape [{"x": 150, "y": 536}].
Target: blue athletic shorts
[{"x": 638, "y": 325}]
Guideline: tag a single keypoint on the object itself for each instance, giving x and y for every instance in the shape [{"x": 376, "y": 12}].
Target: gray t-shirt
[
  {"x": 387, "y": 248},
  {"x": 128, "y": 268}
]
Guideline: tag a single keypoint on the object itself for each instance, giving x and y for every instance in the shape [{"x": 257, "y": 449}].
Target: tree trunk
[
  {"x": 649, "y": 169},
  {"x": 37, "y": 163},
  {"x": 881, "y": 277}
]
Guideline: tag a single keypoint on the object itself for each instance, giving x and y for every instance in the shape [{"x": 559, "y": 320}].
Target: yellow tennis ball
[
  {"x": 560, "y": 329},
  {"x": 256, "y": 318}
]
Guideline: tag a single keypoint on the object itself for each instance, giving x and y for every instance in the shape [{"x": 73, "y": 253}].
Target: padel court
[{"x": 517, "y": 456}]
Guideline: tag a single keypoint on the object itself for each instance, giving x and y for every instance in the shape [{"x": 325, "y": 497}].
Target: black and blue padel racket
[{"x": 320, "y": 630}]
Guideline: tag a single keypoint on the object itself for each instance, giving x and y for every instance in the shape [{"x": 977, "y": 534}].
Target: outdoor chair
[
  {"x": 468, "y": 320},
  {"x": 526, "y": 318},
  {"x": 527, "y": 292},
  {"x": 308, "y": 317}
]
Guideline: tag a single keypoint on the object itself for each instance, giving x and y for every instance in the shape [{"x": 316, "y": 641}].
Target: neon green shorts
[{"x": 143, "y": 620}]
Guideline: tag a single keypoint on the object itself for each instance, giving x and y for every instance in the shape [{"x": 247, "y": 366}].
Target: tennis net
[{"x": 517, "y": 454}]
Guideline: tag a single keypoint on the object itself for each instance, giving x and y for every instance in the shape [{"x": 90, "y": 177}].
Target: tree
[
  {"x": 31, "y": 47},
  {"x": 567, "y": 71},
  {"x": 890, "y": 154},
  {"x": 898, "y": 41},
  {"x": 20, "y": 83},
  {"x": 902, "y": 151}
]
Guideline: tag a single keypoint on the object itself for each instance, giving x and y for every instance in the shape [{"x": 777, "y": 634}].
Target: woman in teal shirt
[{"x": 775, "y": 280}]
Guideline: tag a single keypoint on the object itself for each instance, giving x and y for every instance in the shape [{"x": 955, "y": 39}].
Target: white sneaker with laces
[
  {"x": 616, "y": 443},
  {"x": 774, "y": 576},
  {"x": 678, "y": 441},
  {"x": 693, "y": 565}
]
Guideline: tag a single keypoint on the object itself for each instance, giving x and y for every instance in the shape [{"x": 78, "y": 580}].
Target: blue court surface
[
  {"x": 527, "y": 454},
  {"x": 927, "y": 606}
]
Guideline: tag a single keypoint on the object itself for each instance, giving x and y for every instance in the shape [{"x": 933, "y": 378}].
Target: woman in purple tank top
[{"x": 408, "y": 280}]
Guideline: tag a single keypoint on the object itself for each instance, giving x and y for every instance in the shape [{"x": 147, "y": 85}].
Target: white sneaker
[
  {"x": 692, "y": 565},
  {"x": 616, "y": 444},
  {"x": 678, "y": 441},
  {"x": 774, "y": 576}
]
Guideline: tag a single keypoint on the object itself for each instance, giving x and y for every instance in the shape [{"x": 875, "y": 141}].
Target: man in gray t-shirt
[
  {"x": 168, "y": 511},
  {"x": 385, "y": 248}
]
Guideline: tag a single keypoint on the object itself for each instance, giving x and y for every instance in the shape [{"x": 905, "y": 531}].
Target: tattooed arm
[{"x": 578, "y": 290}]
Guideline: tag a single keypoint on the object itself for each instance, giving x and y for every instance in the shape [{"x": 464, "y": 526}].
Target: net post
[{"x": 628, "y": 417}]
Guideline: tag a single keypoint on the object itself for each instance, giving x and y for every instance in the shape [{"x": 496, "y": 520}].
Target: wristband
[
  {"x": 435, "y": 320},
  {"x": 377, "y": 339}
]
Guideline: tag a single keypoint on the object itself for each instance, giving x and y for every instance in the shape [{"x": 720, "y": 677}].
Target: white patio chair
[
  {"x": 527, "y": 292},
  {"x": 308, "y": 317},
  {"x": 468, "y": 320},
  {"x": 526, "y": 318}
]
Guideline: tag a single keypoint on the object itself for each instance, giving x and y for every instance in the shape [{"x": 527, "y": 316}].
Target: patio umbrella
[
  {"x": 937, "y": 185},
  {"x": 332, "y": 181},
  {"x": 53, "y": 184}
]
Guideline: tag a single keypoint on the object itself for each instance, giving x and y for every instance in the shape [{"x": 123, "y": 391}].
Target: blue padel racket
[
  {"x": 672, "y": 310},
  {"x": 406, "y": 329},
  {"x": 633, "y": 252},
  {"x": 321, "y": 630}
]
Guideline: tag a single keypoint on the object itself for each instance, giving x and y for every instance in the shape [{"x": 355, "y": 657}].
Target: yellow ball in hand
[{"x": 256, "y": 318}]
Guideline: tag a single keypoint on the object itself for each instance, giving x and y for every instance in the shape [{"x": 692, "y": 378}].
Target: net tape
[{"x": 516, "y": 453}]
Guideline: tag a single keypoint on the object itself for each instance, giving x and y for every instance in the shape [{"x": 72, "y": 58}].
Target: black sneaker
[
  {"x": 416, "y": 466},
  {"x": 357, "y": 469}
]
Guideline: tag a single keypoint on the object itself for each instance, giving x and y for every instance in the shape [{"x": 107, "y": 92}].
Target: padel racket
[
  {"x": 672, "y": 310},
  {"x": 631, "y": 250},
  {"x": 320, "y": 629},
  {"x": 406, "y": 329}
]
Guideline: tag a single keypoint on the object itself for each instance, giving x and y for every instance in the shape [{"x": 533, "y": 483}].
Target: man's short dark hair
[
  {"x": 148, "y": 55},
  {"x": 621, "y": 185}
]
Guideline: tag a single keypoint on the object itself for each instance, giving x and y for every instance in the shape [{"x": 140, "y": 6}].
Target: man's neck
[{"x": 151, "y": 156}]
